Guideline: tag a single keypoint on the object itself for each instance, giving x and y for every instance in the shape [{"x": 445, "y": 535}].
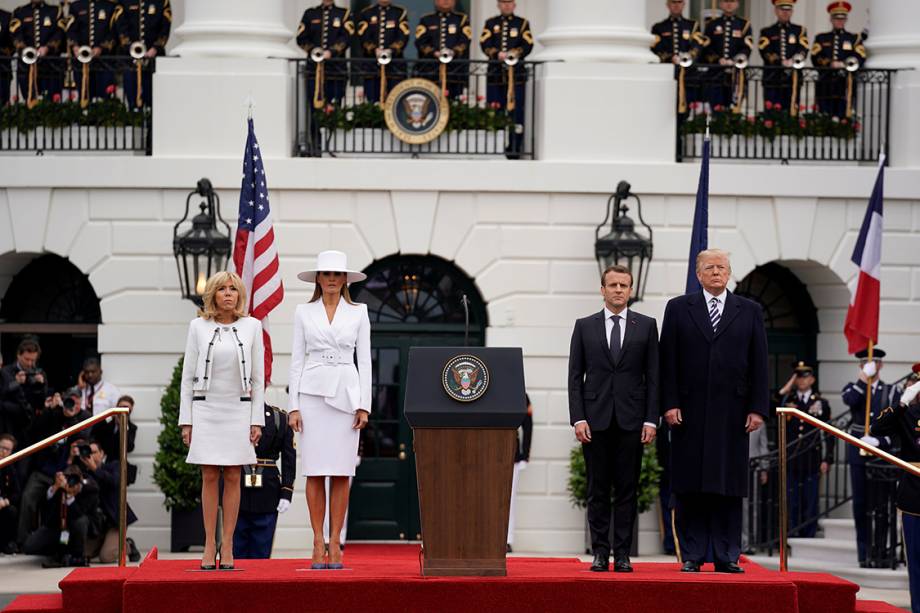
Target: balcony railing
[
  {"x": 76, "y": 107},
  {"x": 346, "y": 119},
  {"x": 784, "y": 114}
]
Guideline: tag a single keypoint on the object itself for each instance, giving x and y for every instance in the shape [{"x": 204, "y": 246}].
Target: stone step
[
  {"x": 826, "y": 550},
  {"x": 838, "y": 529},
  {"x": 875, "y": 578}
]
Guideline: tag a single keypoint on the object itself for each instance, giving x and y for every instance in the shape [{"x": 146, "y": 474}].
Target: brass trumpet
[
  {"x": 684, "y": 59},
  {"x": 851, "y": 64},
  {"x": 29, "y": 56},
  {"x": 318, "y": 55},
  {"x": 84, "y": 54},
  {"x": 137, "y": 50},
  {"x": 446, "y": 56},
  {"x": 798, "y": 61},
  {"x": 741, "y": 61},
  {"x": 383, "y": 58},
  {"x": 511, "y": 60}
]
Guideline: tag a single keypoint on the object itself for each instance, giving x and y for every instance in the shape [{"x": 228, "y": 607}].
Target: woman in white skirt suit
[
  {"x": 221, "y": 404},
  {"x": 329, "y": 398}
]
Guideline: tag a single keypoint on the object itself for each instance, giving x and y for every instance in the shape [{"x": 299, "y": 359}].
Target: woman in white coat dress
[
  {"x": 221, "y": 404},
  {"x": 329, "y": 398}
]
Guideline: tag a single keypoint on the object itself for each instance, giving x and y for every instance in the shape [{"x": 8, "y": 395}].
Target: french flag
[{"x": 861, "y": 325}]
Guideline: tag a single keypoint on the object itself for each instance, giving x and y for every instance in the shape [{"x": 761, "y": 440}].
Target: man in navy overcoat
[{"x": 714, "y": 392}]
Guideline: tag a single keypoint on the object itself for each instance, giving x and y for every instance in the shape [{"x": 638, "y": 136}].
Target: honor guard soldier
[
  {"x": 143, "y": 29},
  {"x": 678, "y": 41},
  {"x": 854, "y": 396},
  {"x": 844, "y": 51},
  {"x": 902, "y": 422},
  {"x": 37, "y": 28},
  {"x": 442, "y": 37},
  {"x": 810, "y": 452},
  {"x": 783, "y": 47},
  {"x": 6, "y": 51},
  {"x": 89, "y": 26},
  {"x": 383, "y": 29},
  {"x": 506, "y": 40},
  {"x": 264, "y": 492},
  {"x": 727, "y": 41}
]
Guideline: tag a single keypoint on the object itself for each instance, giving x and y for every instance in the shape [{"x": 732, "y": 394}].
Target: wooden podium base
[{"x": 464, "y": 491}]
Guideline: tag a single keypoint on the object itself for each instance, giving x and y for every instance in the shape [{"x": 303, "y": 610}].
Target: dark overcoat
[{"x": 715, "y": 379}]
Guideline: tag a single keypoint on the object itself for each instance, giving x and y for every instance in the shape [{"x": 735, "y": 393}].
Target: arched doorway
[
  {"x": 412, "y": 301},
  {"x": 51, "y": 299},
  {"x": 790, "y": 318}
]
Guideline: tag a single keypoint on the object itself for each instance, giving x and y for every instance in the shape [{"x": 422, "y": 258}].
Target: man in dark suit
[
  {"x": 613, "y": 405},
  {"x": 714, "y": 393}
]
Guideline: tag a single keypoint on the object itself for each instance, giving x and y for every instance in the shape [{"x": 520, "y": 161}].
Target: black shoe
[
  {"x": 133, "y": 554},
  {"x": 729, "y": 567},
  {"x": 508, "y": 548},
  {"x": 621, "y": 564},
  {"x": 601, "y": 563},
  {"x": 11, "y": 548},
  {"x": 73, "y": 561},
  {"x": 690, "y": 567}
]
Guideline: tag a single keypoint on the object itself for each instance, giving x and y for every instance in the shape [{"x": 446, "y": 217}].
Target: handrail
[
  {"x": 785, "y": 413},
  {"x": 121, "y": 414}
]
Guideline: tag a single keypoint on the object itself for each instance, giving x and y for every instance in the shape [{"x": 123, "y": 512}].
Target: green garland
[
  {"x": 649, "y": 476},
  {"x": 773, "y": 122},
  {"x": 463, "y": 116},
  {"x": 180, "y": 482},
  {"x": 105, "y": 112}
]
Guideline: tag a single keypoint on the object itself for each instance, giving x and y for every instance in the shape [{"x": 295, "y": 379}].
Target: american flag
[{"x": 254, "y": 252}]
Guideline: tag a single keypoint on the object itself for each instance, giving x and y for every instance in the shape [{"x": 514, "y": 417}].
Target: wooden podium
[{"x": 464, "y": 454}]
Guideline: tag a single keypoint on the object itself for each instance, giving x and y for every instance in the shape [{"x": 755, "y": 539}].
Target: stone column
[
  {"x": 894, "y": 42},
  {"x": 234, "y": 28},
  {"x": 597, "y": 30}
]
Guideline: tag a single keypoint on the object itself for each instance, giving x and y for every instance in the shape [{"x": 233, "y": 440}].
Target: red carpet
[{"x": 385, "y": 578}]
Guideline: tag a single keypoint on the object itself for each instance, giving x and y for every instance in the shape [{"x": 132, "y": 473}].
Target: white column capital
[
  {"x": 597, "y": 30},
  {"x": 894, "y": 38},
  {"x": 234, "y": 28}
]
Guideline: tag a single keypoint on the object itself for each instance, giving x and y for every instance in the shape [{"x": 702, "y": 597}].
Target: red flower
[
  {"x": 768, "y": 123},
  {"x": 56, "y": 98},
  {"x": 74, "y": 96},
  {"x": 329, "y": 109},
  {"x": 480, "y": 98},
  {"x": 718, "y": 108},
  {"x": 857, "y": 126},
  {"x": 802, "y": 123},
  {"x": 844, "y": 120},
  {"x": 110, "y": 90},
  {"x": 802, "y": 107},
  {"x": 768, "y": 105},
  {"x": 813, "y": 107},
  {"x": 495, "y": 105},
  {"x": 751, "y": 119},
  {"x": 778, "y": 107},
  {"x": 14, "y": 100}
]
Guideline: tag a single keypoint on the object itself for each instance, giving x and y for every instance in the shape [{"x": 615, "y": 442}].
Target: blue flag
[{"x": 699, "y": 238}]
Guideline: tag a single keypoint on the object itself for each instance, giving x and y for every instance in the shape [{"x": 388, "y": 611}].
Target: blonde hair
[
  {"x": 707, "y": 253},
  {"x": 218, "y": 280},
  {"x": 318, "y": 293}
]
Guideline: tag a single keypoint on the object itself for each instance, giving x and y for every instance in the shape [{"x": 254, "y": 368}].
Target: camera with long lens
[
  {"x": 69, "y": 402},
  {"x": 84, "y": 450},
  {"x": 73, "y": 480}
]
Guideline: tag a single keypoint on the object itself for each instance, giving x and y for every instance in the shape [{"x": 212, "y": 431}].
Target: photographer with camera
[
  {"x": 69, "y": 501},
  {"x": 106, "y": 432},
  {"x": 60, "y": 412},
  {"x": 25, "y": 374},
  {"x": 103, "y": 534},
  {"x": 9, "y": 498}
]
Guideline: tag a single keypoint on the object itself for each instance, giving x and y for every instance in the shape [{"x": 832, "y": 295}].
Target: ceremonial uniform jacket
[
  {"x": 92, "y": 22},
  {"x": 676, "y": 35},
  {"x": 808, "y": 444},
  {"x": 277, "y": 441},
  {"x": 725, "y": 38},
  {"x": 146, "y": 20},
  {"x": 782, "y": 41},
  {"x": 903, "y": 424},
  {"x": 37, "y": 25},
  {"x": 837, "y": 45},
  {"x": 327, "y": 27},
  {"x": 440, "y": 30},
  {"x": 500, "y": 33},
  {"x": 6, "y": 41},
  {"x": 854, "y": 396},
  {"x": 383, "y": 27}
]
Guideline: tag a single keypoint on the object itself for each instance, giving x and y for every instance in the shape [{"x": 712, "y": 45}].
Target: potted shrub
[{"x": 179, "y": 482}]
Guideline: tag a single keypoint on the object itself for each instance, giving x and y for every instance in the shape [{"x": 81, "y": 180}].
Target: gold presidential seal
[
  {"x": 416, "y": 111},
  {"x": 465, "y": 378}
]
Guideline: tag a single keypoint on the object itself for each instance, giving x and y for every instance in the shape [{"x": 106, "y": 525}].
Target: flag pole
[{"x": 868, "y": 398}]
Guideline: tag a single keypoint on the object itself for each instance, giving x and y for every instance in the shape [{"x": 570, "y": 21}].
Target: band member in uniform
[
  {"x": 221, "y": 408},
  {"x": 727, "y": 40},
  {"x": 854, "y": 396},
  {"x": 613, "y": 406},
  {"x": 901, "y": 421},
  {"x": 40, "y": 26},
  {"x": 266, "y": 492},
  {"x": 674, "y": 37},
  {"x": 90, "y": 24},
  {"x": 714, "y": 393},
  {"x": 383, "y": 28},
  {"x": 837, "y": 49},
  {"x": 444, "y": 31},
  {"x": 330, "y": 397},
  {"x": 810, "y": 451},
  {"x": 507, "y": 36},
  {"x": 147, "y": 22},
  {"x": 6, "y": 50},
  {"x": 781, "y": 45}
]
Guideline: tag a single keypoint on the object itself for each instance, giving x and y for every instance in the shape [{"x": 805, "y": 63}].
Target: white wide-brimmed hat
[{"x": 332, "y": 261}]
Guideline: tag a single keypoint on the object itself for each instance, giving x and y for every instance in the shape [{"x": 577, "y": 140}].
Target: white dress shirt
[
  {"x": 105, "y": 396},
  {"x": 720, "y": 305}
]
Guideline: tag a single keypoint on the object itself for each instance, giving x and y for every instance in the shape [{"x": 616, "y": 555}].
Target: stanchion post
[
  {"x": 783, "y": 497},
  {"x": 122, "y": 487}
]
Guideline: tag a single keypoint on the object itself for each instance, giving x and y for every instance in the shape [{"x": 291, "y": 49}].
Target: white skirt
[
  {"x": 220, "y": 432},
  {"x": 328, "y": 443}
]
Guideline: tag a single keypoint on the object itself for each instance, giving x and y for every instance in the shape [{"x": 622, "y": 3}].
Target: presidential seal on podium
[
  {"x": 416, "y": 111},
  {"x": 465, "y": 378}
]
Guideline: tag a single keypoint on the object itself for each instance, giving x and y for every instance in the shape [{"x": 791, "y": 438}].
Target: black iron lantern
[
  {"x": 202, "y": 249},
  {"x": 623, "y": 245}
]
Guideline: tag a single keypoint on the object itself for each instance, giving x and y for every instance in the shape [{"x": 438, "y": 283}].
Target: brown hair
[
  {"x": 318, "y": 292},
  {"x": 616, "y": 268},
  {"x": 8, "y": 437},
  {"x": 28, "y": 345},
  {"x": 218, "y": 280},
  {"x": 127, "y": 399}
]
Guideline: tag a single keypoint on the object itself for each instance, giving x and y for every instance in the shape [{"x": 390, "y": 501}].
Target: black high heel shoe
[
  {"x": 204, "y": 566},
  {"x": 222, "y": 566}
]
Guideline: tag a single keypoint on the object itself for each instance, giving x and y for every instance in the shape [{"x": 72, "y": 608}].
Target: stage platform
[{"x": 386, "y": 578}]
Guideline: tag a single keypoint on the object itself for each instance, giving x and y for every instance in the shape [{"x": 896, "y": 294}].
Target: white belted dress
[
  {"x": 326, "y": 386},
  {"x": 222, "y": 390}
]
